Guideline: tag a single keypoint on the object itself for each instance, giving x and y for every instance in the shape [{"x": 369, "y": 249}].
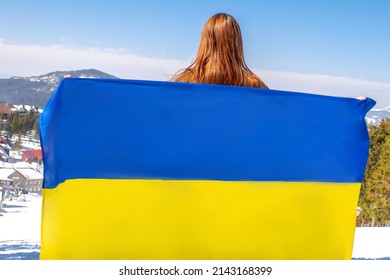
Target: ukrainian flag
[{"x": 160, "y": 170}]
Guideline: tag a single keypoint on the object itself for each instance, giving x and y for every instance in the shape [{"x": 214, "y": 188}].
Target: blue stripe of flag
[{"x": 126, "y": 129}]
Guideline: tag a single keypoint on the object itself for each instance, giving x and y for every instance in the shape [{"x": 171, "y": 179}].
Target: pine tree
[
  {"x": 374, "y": 198},
  {"x": 16, "y": 124}
]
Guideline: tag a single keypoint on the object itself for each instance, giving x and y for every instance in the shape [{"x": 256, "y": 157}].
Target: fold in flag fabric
[{"x": 161, "y": 170}]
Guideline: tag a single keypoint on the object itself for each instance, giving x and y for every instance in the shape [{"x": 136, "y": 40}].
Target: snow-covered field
[
  {"x": 20, "y": 233},
  {"x": 20, "y": 228}
]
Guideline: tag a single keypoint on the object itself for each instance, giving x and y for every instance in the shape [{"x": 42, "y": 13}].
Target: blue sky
[{"x": 291, "y": 44}]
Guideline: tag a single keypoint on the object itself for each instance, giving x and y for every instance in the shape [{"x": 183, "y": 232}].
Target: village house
[
  {"x": 6, "y": 110},
  {"x": 25, "y": 179}
]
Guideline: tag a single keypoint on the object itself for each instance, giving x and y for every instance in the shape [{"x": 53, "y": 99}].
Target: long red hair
[{"x": 220, "y": 58}]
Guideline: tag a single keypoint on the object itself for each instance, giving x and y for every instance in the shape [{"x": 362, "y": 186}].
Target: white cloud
[
  {"x": 328, "y": 85},
  {"x": 31, "y": 60}
]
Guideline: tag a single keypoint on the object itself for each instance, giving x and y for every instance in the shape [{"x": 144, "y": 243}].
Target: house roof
[
  {"x": 32, "y": 154},
  {"x": 29, "y": 173},
  {"x": 6, "y": 105}
]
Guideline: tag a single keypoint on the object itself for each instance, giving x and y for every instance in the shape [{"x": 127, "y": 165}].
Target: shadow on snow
[{"x": 19, "y": 251}]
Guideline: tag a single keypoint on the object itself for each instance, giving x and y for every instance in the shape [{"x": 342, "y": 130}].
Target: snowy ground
[
  {"x": 20, "y": 233},
  {"x": 20, "y": 228}
]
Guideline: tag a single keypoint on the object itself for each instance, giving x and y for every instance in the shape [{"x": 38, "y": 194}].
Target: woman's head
[
  {"x": 220, "y": 58},
  {"x": 221, "y": 40}
]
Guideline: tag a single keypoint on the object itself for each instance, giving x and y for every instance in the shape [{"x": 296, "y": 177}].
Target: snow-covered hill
[
  {"x": 374, "y": 116},
  {"x": 36, "y": 90}
]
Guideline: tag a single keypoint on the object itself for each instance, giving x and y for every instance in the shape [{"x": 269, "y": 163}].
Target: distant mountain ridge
[
  {"x": 376, "y": 115},
  {"x": 36, "y": 90}
]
